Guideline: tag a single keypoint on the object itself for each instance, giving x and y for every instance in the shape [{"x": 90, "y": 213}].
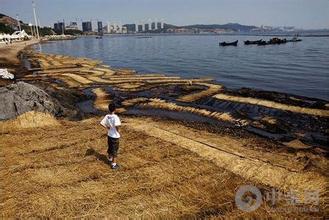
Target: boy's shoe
[{"x": 114, "y": 167}]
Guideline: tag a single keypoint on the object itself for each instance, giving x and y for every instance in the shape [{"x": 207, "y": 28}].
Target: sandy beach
[
  {"x": 9, "y": 57},
  {"x": 9, "y": 53},
  {"x": 187, "y": 146}
]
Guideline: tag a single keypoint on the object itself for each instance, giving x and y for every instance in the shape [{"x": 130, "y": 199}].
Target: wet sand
[{"x": 9, "y": 57}]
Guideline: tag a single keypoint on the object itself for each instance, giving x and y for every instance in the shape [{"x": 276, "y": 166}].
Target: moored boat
[
  {"x": 249, "y": 42},
  {"x": 294, "y": 39},
  {"x": 274, "y": 40},
  {"x": 234, "y": 43}
]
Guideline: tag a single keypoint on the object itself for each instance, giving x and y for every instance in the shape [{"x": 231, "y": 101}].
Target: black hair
[{"x": 112, "y": 107}]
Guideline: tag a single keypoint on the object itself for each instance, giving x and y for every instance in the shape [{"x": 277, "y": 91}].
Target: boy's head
[{"x": 111, "y": 108}]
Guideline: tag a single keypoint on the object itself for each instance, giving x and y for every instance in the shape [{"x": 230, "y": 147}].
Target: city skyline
[{"x": 298, "y": 13}]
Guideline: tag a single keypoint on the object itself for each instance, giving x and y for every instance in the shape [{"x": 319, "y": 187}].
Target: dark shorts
[{"x": 113, "y": 146}]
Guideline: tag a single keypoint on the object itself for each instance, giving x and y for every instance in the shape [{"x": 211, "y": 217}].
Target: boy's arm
[
  {"x": 105, "y": 126},
  {"x": 103, "y": 123}
]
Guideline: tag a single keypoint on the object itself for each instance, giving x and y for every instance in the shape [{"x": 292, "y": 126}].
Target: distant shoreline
[{"x": 206, "y": 34}]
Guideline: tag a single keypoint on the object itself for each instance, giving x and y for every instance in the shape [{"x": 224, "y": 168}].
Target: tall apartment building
[
  {"x": 99, "y": 27},
  {"x": 59, "y": 27},
  {"x": 86, "y": 26}
]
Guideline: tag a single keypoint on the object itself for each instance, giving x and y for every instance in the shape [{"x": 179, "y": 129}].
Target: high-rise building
[
  {"x": 131, "y": 28},
  {"x": 99, "y": 27},
  {"x": 140, "y": 28},
  {"x": 86, "y": 26},
  {"x": 147, "y": 27},
  {"x": 159, "y": 25},
  {"x": 153, "y": 27},
  {"x": 59, "y": 27},
  {"x": 73, "y": 26}
]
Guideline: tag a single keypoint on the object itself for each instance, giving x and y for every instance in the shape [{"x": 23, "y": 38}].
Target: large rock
[{"x": 21, "y": 97}]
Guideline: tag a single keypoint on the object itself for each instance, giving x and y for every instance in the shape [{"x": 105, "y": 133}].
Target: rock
[{"x": 22, "y": 97}]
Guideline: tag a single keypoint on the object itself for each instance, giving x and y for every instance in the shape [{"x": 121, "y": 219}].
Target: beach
[
  {"x": 187, "y": 145},
  {"x": 9, "y": 57},
  {"x": 8, "y": 53}
]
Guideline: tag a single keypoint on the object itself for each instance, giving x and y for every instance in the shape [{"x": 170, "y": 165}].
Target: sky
[{"x": 306, "y": 14}]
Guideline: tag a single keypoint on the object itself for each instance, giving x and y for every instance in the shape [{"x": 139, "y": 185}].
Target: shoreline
[
  {"x": 234, "y": 78},
  {"x": 15, "y": 49},
  {"x": 210, "y": 34},
  {"x": 203, "y": 90},
  {"x": 260, "y": 112}
]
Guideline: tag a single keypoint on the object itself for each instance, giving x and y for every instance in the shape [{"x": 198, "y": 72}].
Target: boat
[
  {"x": 143, "y": 37},
  {"x": 295, "y": 39},
  {"x": 261, "y": 43},
  {"x": 248, "y": 42},
  {"x": 99, "y": 37},
  {"x": 234, "y": 43},
  {"x": 274, "y": 40}
]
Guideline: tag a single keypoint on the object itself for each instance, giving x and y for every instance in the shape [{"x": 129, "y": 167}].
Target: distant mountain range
[
  {"x": 4, "y": 19},
  {"x": 229, "y": 26},
  {"x": 9, "y": 24}
]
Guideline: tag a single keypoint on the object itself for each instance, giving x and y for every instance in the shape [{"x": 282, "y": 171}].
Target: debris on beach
[
  {"x": 4, "y": 73},
  {"x": 289, "y": 115}
]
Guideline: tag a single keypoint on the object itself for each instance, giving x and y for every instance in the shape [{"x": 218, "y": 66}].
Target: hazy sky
[{"x": 298, "y": 13}]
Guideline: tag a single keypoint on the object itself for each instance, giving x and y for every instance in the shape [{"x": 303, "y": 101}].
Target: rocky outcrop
[{"x": 21, "y": 97}]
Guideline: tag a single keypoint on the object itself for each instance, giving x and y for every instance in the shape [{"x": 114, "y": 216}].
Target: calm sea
[{"x": 300, "y": 68}]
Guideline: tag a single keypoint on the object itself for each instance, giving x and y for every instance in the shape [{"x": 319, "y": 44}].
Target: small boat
[
  {"x": 143, "y": 37},
  {"x": 99, "y": 37},
  {"x": 274, "y": 40},
  {"x": 234, "y": 43},
  {"x": 294, "y": 39},
  {"x": 261, "y": 43},
  {"x": 248, "y": 42}
]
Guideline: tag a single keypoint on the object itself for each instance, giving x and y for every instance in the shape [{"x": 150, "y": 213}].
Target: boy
[{"x": 111, "y": 122}]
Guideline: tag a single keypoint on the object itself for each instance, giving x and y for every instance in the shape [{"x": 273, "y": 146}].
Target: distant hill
[
  {"x": 8, "y": 25},
  {"x": 229, "y": 26},
  {"x": 7, "y": 20}
]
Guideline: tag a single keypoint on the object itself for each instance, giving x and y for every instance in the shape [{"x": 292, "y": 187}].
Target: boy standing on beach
[{"x": 111, "y": 122}]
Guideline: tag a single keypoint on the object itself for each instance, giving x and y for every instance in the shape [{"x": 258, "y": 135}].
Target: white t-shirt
[{"x": 111, "y": 120}]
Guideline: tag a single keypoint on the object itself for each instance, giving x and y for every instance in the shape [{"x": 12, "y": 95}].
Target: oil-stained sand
[{"x": 62, "y": 171}]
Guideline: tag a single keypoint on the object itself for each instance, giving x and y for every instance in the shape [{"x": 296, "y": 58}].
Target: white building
[
  {"x": 16, "y": 36},
  {"x": 115, "y": 29}
]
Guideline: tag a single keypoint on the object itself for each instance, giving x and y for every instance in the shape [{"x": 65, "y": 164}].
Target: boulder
[{"x": 22, "y": 97}]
